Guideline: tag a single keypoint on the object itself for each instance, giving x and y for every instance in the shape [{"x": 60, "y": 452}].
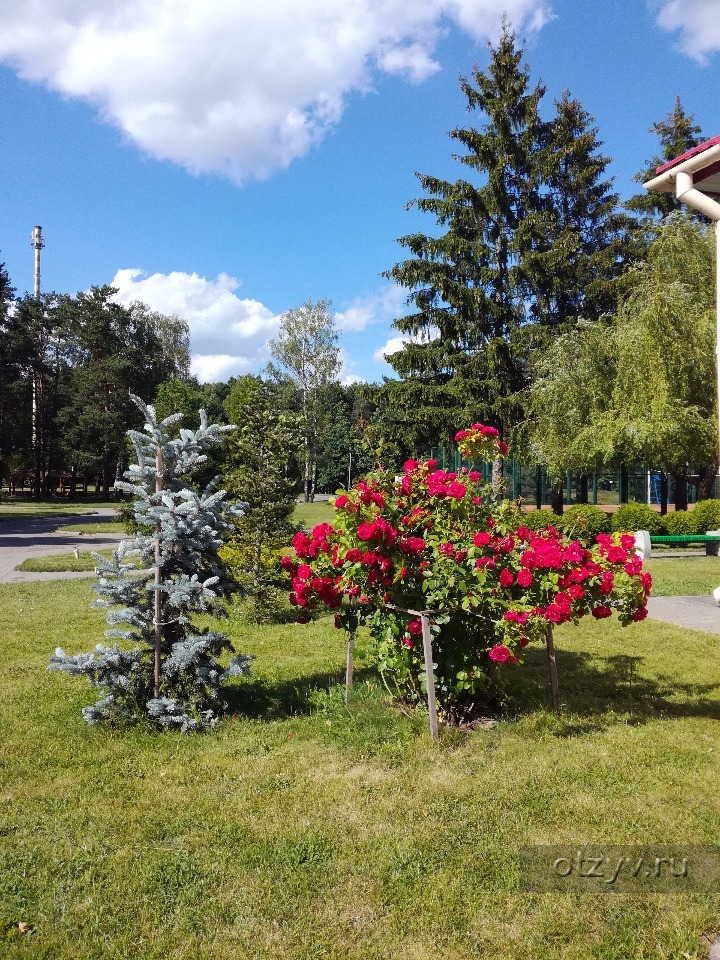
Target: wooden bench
[{"x": 711, "y": 541}]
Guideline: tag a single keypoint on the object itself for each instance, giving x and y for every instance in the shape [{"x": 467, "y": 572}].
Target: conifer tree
[
  {"x": 173, "y": 676},
  {"x": 259, "y": 472},
  {"x": 470, "y": 284},
  {"x": 678, "y": 133},
  {"x": 588, "y": 241}
]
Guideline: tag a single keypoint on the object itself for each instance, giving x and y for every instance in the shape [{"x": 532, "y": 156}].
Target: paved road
[
  {"x": 40, "y": 536},
  {"x": 695, "y": 613}
]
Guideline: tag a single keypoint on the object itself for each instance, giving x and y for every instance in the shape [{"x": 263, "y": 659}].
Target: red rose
[
  {"x": 415, "y": 627},
  {"x": 499, "y": 653},
  {"x": 481, "y": 539},
  {"x": 525, "y": 578},
  {"x": 506, "y": 578},
  {"x": 601, "y": 612}
]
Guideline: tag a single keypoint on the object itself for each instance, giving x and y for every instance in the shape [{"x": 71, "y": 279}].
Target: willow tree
[{"x": 644, "y": 388}]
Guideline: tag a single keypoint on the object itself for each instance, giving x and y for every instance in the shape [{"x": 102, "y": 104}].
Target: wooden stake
[
  {"x": 158, "y": 576},
  {"x": 552, "y": 669},
  {"x": 349, "y": 665},
  {"x": 429, "y": 674}
]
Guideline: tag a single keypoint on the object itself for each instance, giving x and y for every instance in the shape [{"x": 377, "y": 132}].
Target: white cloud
[
  {"x": 235, "y": 87},
  {"x": 396, "y": 344},
  {"x": 375, "y": 308},
  {"x": 698, "y": 22},
  {"x": 393, "y": 345},
  {"x": 228, "y": 335}
]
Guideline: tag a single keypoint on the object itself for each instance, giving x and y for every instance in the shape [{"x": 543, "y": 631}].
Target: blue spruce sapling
[{"x": 173, "y": 676}]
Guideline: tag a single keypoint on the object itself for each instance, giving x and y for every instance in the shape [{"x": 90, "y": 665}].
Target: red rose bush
[{"x": 437, "y": 540}]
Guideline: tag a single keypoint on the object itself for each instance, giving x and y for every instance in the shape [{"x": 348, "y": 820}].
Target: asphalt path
[{"x": 26, "y": 537}]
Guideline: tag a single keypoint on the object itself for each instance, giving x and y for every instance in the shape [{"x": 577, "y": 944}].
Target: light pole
[{"x": 694, "y": 178}]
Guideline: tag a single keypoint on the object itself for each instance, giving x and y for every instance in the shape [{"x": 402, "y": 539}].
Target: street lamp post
[{"x": 694, "y": 178}]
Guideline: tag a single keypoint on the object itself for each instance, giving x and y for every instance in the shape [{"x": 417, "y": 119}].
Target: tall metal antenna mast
[{"x": 37, "y": 242}]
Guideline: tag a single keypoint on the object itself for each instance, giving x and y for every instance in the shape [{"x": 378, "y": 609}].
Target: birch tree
[{"x": 307, "y": 353}]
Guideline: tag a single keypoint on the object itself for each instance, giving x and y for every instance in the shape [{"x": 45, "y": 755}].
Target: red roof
[{"x": 686, "y": 156}]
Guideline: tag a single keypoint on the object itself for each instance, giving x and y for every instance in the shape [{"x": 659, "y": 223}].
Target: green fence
[{"x": 603, "y": 489}]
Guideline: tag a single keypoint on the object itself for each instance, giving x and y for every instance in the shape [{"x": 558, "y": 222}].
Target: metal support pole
[{"x": 552, "y": 669}]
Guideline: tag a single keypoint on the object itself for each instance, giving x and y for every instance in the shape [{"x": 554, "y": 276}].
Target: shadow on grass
[
  {"x": 262, "y": 698},
  {"x": 596, "y": 691}
]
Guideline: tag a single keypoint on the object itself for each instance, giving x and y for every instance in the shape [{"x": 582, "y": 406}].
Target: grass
[
  {"x": 12, "y": 509},
  {"x": 684, "y": 576},
  {"x": 310, "y": 514},
  {"x": 300, "y": 829},
  {"x": 98, "y": 526},
  {"x": 62, "y": 562}
]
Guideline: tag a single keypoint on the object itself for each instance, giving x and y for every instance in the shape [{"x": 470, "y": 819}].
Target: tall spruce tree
[
  {"x": 470, "y": 284},
  {"x": 678, "y": 133},
  {"x": 588, "y": 241},
  {"x": 172, "y": 677}
]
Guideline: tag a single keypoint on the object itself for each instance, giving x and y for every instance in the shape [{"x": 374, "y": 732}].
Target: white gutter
[
  {"x": 691, "y": 165},
  {"x": 685, "y": 191}
]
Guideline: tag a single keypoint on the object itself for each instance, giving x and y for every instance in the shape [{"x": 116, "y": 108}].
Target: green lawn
[
  {"x": 301, "y": 830},
  {"x": 97, "y": 526},
  {"x": 62, "y": 562},
  {"x": 684, "y": 576},
  {"x": 310, "y": 514},
  {"x": 11, "y": 509}
]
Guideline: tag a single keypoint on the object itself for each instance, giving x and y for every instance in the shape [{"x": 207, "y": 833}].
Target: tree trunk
[
  {"x": 106, "y": 475},
  {"x": 681, "y": 493},
  {"x": 624, "y": 485},
  {"x": 158, "y": 618},
  {"x": 663, "y": 494},
  {"x": 557, "y": 499},
  {"x": 582, "y": 495},
  {"x": 706, "y": 483}
]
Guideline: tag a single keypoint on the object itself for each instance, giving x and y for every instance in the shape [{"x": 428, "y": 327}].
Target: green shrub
[
  {"x": 705, "y": 516},
  {"x": 584, "y": 522},
  {"x": 126, "y": 515},
  {"x": 636, "y": 516},
  {"x": 679, "y": 523},
  {"x": 539, "y": 519}
]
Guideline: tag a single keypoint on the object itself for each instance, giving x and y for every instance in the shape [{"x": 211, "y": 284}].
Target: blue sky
[{"x": 231, "y": 160}]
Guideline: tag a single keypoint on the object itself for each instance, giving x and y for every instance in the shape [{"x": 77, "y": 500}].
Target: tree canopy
[{"x": 533, "y": 239}]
